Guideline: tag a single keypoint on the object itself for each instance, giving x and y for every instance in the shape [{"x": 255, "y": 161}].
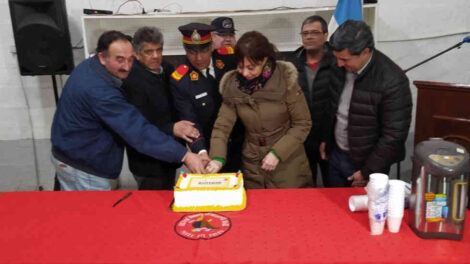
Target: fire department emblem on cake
[{"x": 202, "y": 226}]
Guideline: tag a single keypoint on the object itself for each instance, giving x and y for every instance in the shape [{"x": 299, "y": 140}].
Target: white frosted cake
[{"x": 209, "y": 192}]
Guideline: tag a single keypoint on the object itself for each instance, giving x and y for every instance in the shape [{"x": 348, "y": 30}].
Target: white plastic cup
[
  {"x": 397, "y": 187},
  {"x": 377, "y": 183},
  {"x": 377, "y": 210},
  {"x": 394, "y": 223},
  {"x": 376, "y": 227},
  {"x": 396, "y": 199},
  {"x": 396, "y": 206},
  {"x": 378, "y": 178},
  {"x": 377, "y": 194},
  {"x": 395, "y": 212},
  {"x": 358, "y": 203}
]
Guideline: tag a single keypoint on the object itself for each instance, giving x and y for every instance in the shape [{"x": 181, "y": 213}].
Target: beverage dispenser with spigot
[{"x": 439, "y": 189}]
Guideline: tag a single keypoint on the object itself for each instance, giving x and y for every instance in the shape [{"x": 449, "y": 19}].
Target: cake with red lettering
[{"x": 209, "y": 192}]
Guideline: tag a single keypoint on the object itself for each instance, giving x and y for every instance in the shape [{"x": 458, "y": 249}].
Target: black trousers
[
  {"x": 234, "y": 148},
  {"x": 157, "y": 180},
  {"x": 314, "y": 159}
]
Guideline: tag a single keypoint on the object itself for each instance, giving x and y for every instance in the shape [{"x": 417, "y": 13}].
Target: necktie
[{"x": 208, "y": 74}]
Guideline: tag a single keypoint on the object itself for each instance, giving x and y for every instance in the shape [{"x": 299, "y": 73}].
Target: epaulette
[
  {"x": 226, "y": 50},
  {"x": 180, "y": 72}
]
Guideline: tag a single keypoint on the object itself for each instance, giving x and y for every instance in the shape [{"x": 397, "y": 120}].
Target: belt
[{"x": 262, "y": 141}]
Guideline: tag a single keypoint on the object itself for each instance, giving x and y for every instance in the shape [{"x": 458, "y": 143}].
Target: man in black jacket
[
  {"x": 370, "y": 108},
  {"x": 224, "y": 32},
  {"x": 147, "y": 88},
  {"x": 223, "y": 60},
  {"x": 313, "y": 61}
]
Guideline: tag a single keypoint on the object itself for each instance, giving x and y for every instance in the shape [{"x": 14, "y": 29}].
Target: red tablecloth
[{"x": 278, "y": 226}]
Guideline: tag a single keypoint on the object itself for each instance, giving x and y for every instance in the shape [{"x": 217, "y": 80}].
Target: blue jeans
[
  {"x": 71, "y": 179},
  {"x": 341, "y": 167}
]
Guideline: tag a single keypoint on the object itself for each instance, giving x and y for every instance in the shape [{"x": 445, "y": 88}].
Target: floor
[{"x": 25, "y": 166}]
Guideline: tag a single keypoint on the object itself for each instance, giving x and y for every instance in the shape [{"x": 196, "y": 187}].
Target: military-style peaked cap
[{"x": 196, "y": 33}]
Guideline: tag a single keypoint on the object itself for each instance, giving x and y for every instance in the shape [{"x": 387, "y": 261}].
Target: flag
[{"x": 345, "y": 9}]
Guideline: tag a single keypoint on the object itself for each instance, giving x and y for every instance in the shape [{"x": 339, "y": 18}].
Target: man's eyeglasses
[{"x": 313, "y": 33}]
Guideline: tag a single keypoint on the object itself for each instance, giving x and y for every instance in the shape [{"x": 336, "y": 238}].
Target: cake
[{"x": 209, "y": 192}]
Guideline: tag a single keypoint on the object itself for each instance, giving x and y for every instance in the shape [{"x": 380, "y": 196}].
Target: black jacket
[
  {"x": 379, "y": 114},
  {"x": 317, "y": 100},
  {"x": 223, "y": 60},
  {"x": 150, "y": 94}
]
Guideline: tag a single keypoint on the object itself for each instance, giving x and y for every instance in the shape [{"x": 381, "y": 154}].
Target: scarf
[{"x": 253, "y": 85}]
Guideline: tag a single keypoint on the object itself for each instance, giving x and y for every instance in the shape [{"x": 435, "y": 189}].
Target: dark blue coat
[
  {"x": 92, "y": 120},
  {"x": 222, "y": 63}
]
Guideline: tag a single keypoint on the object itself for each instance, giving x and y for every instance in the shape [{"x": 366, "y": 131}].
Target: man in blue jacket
[{"x": 93, "y": 120}]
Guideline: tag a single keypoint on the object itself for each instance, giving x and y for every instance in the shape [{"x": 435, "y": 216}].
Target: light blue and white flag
[{"x": 345, "y": 10}]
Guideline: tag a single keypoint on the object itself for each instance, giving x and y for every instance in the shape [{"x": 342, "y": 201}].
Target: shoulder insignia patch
[
  {"x": 219, "y": 64},
  {"x": 225, "y": 50},
  {"x": 180, "y": 72},
  {"x": 194, "y": 76}
]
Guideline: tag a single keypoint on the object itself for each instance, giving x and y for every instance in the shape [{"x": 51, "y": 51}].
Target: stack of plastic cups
[
  {"x": 377, "y": 194},
  {"x": 396, "y": 205}
]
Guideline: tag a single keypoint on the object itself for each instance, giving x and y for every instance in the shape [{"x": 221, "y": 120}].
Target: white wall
[
  {"x": 411, "y": 31},
  {"x": 407, "y": 31}
]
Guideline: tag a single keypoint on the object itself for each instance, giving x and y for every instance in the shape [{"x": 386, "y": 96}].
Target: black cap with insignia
[{"x": 223, "y": 25}]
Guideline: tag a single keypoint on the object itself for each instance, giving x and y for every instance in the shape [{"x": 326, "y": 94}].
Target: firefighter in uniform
[{"x": 195, "y": 83}]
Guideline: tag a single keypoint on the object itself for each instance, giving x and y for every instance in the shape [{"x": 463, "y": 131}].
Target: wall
[
  {"x": 408, "y": 31},
  {"x": 411, "y": 31}
]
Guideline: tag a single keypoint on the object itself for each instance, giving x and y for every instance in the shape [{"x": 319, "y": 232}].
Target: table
[{"x": 278, "y": 226}]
